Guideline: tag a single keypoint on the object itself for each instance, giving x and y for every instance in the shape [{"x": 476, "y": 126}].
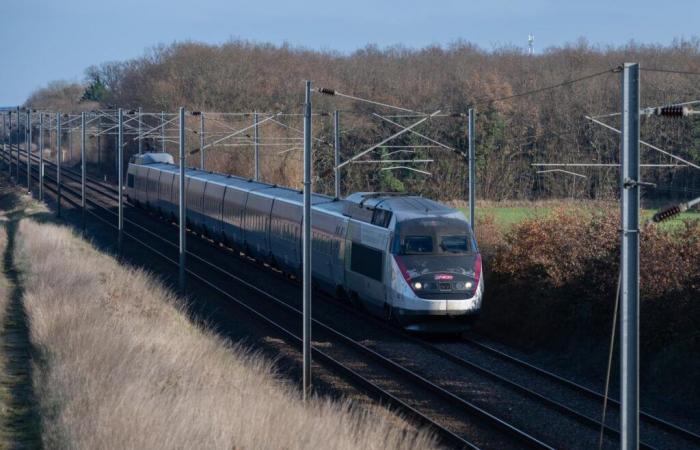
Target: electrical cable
[
  {"x": 679, "y": 72},
  {"x": 327, "y": 91},
  {"x": 546, "y": 88},
  {"x": 610, "y": 356}
]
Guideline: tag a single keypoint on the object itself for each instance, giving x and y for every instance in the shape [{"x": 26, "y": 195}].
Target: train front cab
[{"x": 435, "y": 275}]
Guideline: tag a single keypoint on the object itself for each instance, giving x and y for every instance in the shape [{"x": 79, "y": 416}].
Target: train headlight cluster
[{"x": 418, "y": 285}]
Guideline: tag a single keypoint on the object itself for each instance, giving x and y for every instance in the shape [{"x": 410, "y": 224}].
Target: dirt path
[{"x": 21, "y": 424}]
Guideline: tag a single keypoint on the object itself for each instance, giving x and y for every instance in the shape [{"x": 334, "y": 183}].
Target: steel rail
[{"x": 650, "y": 418}]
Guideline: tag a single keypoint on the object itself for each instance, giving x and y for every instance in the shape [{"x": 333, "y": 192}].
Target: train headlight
[
  {"x": 463, "y": 285},
  {"x": 418, "y": 285}
]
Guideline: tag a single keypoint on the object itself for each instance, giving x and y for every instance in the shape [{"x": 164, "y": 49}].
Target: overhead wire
[
  {"x": 678, "y": 72},
  {"x": 546, "y": 88}
]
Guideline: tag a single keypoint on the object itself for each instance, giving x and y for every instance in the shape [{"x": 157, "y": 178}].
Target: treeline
[{"x": 545, "y": 126}]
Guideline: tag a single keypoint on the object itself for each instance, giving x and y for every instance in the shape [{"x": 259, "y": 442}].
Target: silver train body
[{"x": 406, "y": 258}]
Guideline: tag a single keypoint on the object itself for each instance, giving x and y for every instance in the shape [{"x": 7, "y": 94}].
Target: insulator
[
  {"x": 672, "y": 111},
  {"x": 667, "y": 214},
  {"x": 326, "y": 91}
]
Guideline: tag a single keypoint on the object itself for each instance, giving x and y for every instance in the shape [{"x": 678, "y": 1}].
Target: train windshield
[
  {"x": 423, "y": 245},
  {"x": 438, "y": 236},
  {"x": 454, "y": 244},
  {"x": 413, "y": 245}
]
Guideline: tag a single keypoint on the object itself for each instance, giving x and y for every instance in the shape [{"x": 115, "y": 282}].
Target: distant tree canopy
[
  {"x": 544, "y": 127},
  {"x": 60, "y": 96}
]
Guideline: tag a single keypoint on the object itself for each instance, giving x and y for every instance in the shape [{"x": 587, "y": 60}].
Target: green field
[{"x": 507, "y": 216}]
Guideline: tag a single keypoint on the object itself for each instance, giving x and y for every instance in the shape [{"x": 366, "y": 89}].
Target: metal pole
[
  {"x": 58, "y": 164},
  {"x": 4, "y": 136},
  {"x": 472, "y": 168},
  {"x": 629, "y": 263},
  {"x": 140, "y": 138},
  {"x": 307, "y": 245},
  {"x": 9, "y": 144},
  {"x": 162, "y": 131},
  {"x": 257, "y": 147},
  {"x": 120, "y": 176},
  {"x": 29, "y": 151},
  {"x": 182, "y": 204},
  {"x": 18, "y": 144},
  {"x": 70, "y": 143},
  {"x": 41, "y": 156},
  {"x": 9, "y": 138},
  {"x": 336, "y": 150},
  {"x": 83, "y": 164},
  {"x": 201, "y": 140},
  {"x": 99, "y": 145}
]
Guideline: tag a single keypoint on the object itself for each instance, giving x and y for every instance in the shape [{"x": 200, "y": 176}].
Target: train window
[
  {"x": 417, "y": 244},
  {"x": 366, "y": 261},
  {"x": 454, "y": 244},
  {"x": 381, "y": 218},
  {"x": 130, "y": 180}
]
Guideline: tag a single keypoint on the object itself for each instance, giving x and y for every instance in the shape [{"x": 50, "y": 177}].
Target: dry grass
[{"x": 122, "y": 367}]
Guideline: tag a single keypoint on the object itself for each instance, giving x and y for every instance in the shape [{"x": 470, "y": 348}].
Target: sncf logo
[{"x": 443, "y": 276}]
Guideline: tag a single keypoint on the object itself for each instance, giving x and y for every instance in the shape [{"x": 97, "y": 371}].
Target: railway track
[
  {"x": 379, "y": 376},
  {"x": 447, "y": 390}
]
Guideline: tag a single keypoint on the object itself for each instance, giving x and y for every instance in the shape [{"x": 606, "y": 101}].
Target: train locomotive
[{"x": 406, "y": 258}]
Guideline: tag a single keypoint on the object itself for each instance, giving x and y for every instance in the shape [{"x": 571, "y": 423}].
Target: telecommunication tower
[{"x": 530, "y": 44}]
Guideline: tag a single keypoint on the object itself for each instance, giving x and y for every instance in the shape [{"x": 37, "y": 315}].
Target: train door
[
  {"x": 366, "y": 250},
  {"x": 152, "y": 183},
  {"x": 321, "y": 248},
  {"x": 212, "y": 208},
  {"x": 257, "y": 224},
  {"x": 285, "y": 235},
  {"x": 233, "y": 211},
  {"x": 168, "y": 199},
  {"x": 195, "y": 196}
]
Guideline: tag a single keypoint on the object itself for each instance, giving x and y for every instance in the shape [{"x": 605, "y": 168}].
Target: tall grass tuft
[{"x": 121, "y": 366}]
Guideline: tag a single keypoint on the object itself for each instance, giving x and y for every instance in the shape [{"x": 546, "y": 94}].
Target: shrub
[{"x": 551, "y": 283}]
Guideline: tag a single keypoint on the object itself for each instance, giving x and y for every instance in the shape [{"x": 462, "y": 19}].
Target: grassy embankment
[
  {"x": 507, "y": 214},
  {"x": 119, "y": 365},
  {"x": 20, "y": 425}
]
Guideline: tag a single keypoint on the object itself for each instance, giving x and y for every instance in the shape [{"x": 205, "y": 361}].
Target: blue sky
[{"x": 44, "y": 40}]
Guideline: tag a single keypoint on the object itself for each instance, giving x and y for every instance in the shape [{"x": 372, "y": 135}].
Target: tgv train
[{"x": 407, "y": 258}]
